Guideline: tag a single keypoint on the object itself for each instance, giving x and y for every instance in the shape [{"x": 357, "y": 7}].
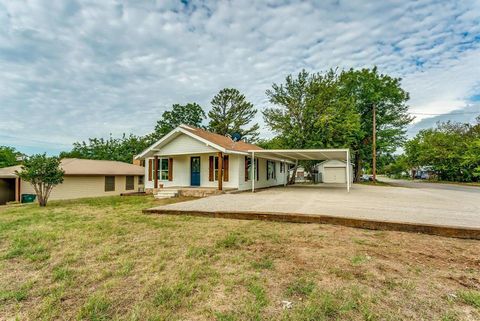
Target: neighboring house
[
  {"x": 300, "y": 174},
  {"x": 192, "y": 157},
  {"x": 83, "y": 178},
  {"x": 424, "y": 172},
  {"x": 333, "y": 171}
]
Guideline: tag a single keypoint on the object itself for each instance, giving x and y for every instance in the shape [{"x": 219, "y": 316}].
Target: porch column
[
  {"x": 285, "y": 176},
  {"x": 17, "y": 189},
  {"x": 220, "y": 171},
  {"x": 254, "y": 172},
  {"x": 155, "y": 172},
  {"x": 348, "y": 171}
]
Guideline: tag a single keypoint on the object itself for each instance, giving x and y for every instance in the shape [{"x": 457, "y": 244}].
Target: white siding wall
[
  {"x": 183, "y": 147},
  {"x": 181, "y": 173},
  {"x": 184, "y": 144},
  {"x": 262, "y": 177}
]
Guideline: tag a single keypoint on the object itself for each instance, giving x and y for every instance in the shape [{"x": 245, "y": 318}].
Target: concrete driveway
[{"x": 423, "y": 205}]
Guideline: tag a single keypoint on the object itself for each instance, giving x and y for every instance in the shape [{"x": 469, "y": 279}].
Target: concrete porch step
[{"x": 166, "y": 193}]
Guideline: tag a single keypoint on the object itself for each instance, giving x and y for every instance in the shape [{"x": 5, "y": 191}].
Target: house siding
[
  {"x": 184, "y": 144},
  {"x": 183, "y": 147},
  {"x": 84, "y": 186}
]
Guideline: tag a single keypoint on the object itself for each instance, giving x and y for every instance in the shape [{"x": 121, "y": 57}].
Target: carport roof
[{"x": 303, "y": 154}]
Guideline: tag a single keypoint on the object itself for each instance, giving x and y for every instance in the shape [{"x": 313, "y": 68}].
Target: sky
[{"x": 70, "y": 70}]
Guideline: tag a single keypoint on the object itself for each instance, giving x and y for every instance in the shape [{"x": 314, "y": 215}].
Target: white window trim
[{"x": 159, "y": 178}]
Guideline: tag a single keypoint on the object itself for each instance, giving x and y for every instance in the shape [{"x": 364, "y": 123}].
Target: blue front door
[{"x": 195, "y": 171}]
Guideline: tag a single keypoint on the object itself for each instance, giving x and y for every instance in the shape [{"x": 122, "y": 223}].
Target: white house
[
  {"x": 190, "y": 156},
  {"x": 334, "y": 171}
]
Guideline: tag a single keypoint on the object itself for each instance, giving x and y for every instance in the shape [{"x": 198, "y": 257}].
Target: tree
[
  {"x": 312, "y": 111},
  {"x": 44, "y": 173},
  {"x": 368, "y": 89},
  {"x": 118, "y": 149},
  {"x": 189, "y": 114},
  {"x": 8, "y": 156},
  {"x": 231, "y": 113},
  {"x": 451, "y": 149}
]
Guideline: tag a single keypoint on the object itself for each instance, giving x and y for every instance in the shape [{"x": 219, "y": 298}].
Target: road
[{"x": 427, "y": 185}]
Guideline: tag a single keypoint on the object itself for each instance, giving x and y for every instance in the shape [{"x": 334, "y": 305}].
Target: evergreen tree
[{"x": 231, "y": 113}]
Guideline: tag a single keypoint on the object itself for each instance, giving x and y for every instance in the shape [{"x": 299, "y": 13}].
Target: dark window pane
[
  {"x": 129, "y": 183},
  {"x": 109, "y": 183}
]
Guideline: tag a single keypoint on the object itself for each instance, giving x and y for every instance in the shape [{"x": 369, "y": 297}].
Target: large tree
[
  {"x": 8, "y": 156},
  {"x": 44, "y": 173},
  {"x": 118, "y": 149},
  {"x": 231, "y": 113},
  {"x": 451, "y": 149},
  {"x": 189, "y": 114},
  {"x": 369, "y": 89},
  {"x": 311, "y": 111}
]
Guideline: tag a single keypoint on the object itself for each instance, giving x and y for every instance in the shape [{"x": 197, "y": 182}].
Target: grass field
[{"x": 102, "y": 259}]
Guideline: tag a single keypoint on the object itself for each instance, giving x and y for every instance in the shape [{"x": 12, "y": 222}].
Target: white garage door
[{"x": 335, "y": 175}]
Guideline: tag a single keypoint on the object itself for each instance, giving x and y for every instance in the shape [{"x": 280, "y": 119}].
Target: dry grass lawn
[{"x": 102, "y": 259}]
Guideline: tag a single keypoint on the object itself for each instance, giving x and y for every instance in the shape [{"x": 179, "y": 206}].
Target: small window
[
  {"x": 141, "y": 180},
  {"x": 129, "y": 183},
  {"x": 109, "y": 183}
]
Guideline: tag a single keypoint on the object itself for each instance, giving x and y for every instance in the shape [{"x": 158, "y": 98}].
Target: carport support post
[
  {"x": 253, "y": 172},
  {"x": 348, "y": 170}
]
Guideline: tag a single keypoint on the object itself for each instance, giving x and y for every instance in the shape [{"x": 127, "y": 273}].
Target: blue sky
[{"x": 77, "y": 69}]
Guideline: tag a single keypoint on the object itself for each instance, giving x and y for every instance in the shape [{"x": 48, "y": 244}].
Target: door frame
[{"x": 199, "y": 170}]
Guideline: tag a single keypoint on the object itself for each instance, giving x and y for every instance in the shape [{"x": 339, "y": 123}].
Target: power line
[{"x": 447, "y": 114}]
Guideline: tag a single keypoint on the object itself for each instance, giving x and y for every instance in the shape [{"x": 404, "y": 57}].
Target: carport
[{"x": 294, "y": 155}]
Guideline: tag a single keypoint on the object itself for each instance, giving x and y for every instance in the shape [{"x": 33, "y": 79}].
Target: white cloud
[{"x": 73, "y": 70}]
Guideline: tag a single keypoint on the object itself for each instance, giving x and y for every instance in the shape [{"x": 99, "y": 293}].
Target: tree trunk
[
  {"x": 291, "y": 180},
  {"x": 357, "y": 168}
]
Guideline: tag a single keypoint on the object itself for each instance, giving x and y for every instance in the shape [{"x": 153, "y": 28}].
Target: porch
[{"x": 193, "y": 191}]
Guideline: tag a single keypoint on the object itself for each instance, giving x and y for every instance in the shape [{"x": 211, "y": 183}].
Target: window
[
  {"x": 215, "y": 167},
  {"x": 129, "y": 183},
  {"x": 162, "y": 169},
  {"x": 248, "y": 168},
  {"x": 109, "y": 183},
  {"x": 271, "y": 170},
  {"x": 282, "y": 165},
  {"x": 141, "y": 180}
]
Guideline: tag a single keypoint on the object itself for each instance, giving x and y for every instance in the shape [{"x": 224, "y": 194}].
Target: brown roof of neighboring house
[
  {"x": 78, "y": 167},
  {"x": 222, "y": 141},
  {"x": 9, "y": 172}
]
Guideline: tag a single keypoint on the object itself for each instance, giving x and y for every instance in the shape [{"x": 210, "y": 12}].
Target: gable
[{"x": 184, "y": 144}]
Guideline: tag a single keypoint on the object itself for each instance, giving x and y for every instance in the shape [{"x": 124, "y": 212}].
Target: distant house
[
  {"x": 193, "y": 157},
  {"x": 301, "y": 174},
  {"x": 83, "y": 178},
  {"x": 333, "y": 171}
]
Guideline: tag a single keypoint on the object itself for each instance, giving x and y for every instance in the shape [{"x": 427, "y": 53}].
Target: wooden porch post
[
  {"x": 220, "y": 171},
  {"x": 17, "y": 189},
  {"x": 155, "y": 172}
]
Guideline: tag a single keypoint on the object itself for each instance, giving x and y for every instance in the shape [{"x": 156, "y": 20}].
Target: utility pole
[{"x": 374, "y": 146}]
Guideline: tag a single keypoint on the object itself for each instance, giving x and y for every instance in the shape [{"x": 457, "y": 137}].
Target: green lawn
[{"x": 102, "y": 259}]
